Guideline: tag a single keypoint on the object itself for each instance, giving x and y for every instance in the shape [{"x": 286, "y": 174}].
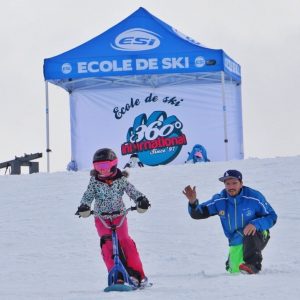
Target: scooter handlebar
[{"x": 126, "y": 211}]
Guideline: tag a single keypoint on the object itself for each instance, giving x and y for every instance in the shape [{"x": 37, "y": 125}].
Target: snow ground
[{"x": 48, "y": 253}]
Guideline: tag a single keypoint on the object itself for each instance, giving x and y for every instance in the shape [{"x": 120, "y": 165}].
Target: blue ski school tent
[{"x": 143, "y": 87}]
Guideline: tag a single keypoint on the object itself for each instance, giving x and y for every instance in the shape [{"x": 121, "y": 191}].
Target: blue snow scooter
[{"x": 118, "y": 269}]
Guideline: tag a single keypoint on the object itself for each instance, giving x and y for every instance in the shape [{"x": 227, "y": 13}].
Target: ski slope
[{"x": 49, "y": 253}]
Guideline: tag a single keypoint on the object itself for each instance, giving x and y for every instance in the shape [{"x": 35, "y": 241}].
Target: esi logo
[
  {"x": 66, "y": 68},
  {"x": 157, "y": 139},
  {"x": 136, "y": 39}
]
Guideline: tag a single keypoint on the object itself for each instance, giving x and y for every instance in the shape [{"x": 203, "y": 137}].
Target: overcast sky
[{"x": 263, "y": 36}]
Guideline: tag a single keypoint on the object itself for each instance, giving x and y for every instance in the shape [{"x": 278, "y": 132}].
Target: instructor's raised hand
[{"x": 190, "y": 193}]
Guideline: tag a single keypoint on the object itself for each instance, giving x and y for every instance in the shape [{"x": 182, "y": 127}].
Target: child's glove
[
  {"x": 83, "y": 211},
  {"x": 142, "y": 204}
]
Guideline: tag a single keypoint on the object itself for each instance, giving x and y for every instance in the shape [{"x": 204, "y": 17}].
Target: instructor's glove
[
  {"x": 83, "y": 211},
  {"x": 142, "y": 204}
]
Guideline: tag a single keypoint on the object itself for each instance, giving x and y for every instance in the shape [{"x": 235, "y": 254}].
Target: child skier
[{"x": 107, "y": 186}]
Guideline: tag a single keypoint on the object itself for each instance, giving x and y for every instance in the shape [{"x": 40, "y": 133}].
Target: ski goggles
[{"x": 105, "y": 167}]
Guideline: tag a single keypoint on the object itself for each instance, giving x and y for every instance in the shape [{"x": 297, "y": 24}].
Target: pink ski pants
[{"x": 126, "y": 242}]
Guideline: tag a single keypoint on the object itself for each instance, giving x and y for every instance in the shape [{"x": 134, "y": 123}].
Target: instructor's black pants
[{"x": 253, "y": 245}]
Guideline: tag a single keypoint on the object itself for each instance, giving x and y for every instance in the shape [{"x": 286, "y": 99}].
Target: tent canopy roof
[{"x": 141, "y": 49}]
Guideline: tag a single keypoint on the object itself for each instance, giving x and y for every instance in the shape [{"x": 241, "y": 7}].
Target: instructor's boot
[{"x": 248, "y": 269}]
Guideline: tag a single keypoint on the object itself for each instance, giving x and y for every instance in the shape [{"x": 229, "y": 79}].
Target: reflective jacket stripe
[
  {"x": 235, "y": 214},
  {"x": 229, "y": 222}
]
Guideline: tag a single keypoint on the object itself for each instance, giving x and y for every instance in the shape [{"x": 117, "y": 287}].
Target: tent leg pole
[
  {"x": 47, "y": 127},
  {"x": 224, "y": 115}
]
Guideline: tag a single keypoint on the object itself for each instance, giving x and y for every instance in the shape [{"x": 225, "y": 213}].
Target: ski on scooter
[{"x": 117, "y": 287}]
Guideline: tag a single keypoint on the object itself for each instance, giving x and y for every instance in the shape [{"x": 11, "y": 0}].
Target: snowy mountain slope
[{"x": 48, "y": 253}]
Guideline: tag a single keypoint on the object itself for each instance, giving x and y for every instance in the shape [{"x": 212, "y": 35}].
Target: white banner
[{"x": 160, "y": 125}]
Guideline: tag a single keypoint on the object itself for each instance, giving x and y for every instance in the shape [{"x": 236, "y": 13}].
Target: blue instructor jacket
[{"x": 248, "y": 207}]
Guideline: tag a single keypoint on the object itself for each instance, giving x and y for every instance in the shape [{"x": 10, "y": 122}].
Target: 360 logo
[
  {"x": 136, "y": 39},
  {"x": 157, "y": 140}
]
